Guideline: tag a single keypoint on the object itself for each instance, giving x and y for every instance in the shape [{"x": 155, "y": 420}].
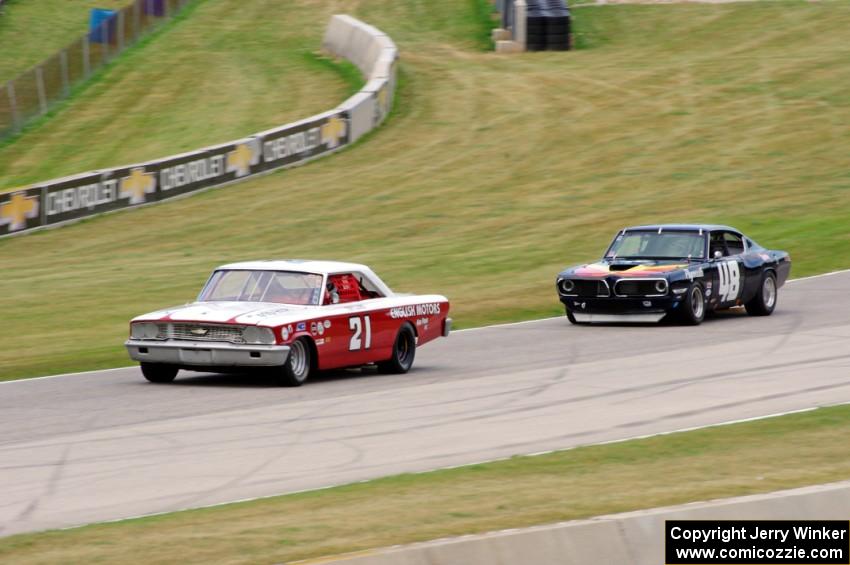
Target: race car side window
[
  {"x": 717, "y": 244},
  {"x": 734, "y": 243},
  {"x": 343, "y": 288}
]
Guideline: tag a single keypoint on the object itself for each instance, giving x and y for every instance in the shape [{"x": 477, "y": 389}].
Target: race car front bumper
[
  {"x": 621, "y": 310},
  {"x": 206, "y": 354}
]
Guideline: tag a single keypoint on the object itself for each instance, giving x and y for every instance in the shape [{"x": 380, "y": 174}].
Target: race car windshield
[
  {"x": 654, "y": 245},
  {"x": 283, "y": 287}
]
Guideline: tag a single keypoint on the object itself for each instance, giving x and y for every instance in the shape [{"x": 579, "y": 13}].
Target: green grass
[
  {"x": 224, "y": 70},
  {"x": 493, "y": 174},
  {"x": 33, "y": 30},
  {"x": 749, "y": 458}
]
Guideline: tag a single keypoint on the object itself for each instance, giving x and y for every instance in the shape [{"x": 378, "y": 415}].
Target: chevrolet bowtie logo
[
  {"x": 244, "y": 155},
  {"x": 199, "y": 331},
  {"x": 332, "y": 131},
  {"x": 383, "y": 98},
  {"x": 17, "y": 210},
  {"x": 137, "y": 185}
]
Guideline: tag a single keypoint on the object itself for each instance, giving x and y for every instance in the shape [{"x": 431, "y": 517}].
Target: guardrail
[
  {"x": 68, "y": 199},
  {"x": 635, "y": 537}
]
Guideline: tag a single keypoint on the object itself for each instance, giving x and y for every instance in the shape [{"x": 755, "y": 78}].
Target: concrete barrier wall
[
  {"x": 59, "y": 201},
  {"x": 636, "y": 537}
]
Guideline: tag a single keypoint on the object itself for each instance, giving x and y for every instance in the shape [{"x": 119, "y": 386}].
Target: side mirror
[{"x": 718, "y": 254}]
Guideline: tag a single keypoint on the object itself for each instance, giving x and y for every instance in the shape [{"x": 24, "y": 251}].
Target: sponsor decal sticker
[
  {"x": 302, "y": 326},
  {"x": 313, "y": 328},
  {"x": 415, "y": 310},
  {"x": 284, "y": 333},
  {"x": 320, "y": 327},
  {"x": 327, "y": 324}
]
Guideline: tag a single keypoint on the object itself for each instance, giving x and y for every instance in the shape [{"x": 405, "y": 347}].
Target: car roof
[
  {"x": 681, "y": 227},
  {"x": 301, "y": 265}
]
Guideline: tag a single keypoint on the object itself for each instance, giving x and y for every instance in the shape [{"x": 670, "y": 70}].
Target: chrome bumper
[
  {"x": 447, "y": 327},
  {"x": 206, "y": 354},
  {"x": 619, "y": 318}
]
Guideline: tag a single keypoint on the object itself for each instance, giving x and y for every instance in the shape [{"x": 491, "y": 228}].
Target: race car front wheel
[
  {"x": 296, "y": 369},
  {"x": 693, "y": 307},
  {"x": 764, "y": 301},
  {"x": 159, "y": 373},
  {"x": 404, "y": 351}
]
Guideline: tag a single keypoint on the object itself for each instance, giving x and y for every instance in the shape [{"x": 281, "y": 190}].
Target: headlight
[
  {"x": 661, "y": 287},
  {"x": 253, "y": 334},
  {"x": 567, "y": 286},
  {"x": 144, "y": 330}
]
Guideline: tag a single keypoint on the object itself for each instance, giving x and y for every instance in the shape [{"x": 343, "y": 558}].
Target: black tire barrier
[{"x": 547, "y": 26}]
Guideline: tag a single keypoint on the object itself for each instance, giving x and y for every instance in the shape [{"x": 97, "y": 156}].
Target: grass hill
[
  {"x": 32, "y": 31},
  {"x": 493, "y": 174},
  {"x": 222, "y": 70}
]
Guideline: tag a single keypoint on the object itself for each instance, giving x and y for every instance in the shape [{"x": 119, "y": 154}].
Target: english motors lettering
[{"x": 413, "y": 310}]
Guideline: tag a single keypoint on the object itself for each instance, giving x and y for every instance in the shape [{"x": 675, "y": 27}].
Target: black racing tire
[
  {"x": 404, "y": 352},
  {"x": 693, "y": 307},
  {"x": 764, "y": 302},
  {"x": 158, "y": 372},
  {"x": 296, "y": 370}
]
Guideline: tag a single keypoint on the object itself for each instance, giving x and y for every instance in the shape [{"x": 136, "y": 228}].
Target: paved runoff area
[{"x": 107, "y": 445}]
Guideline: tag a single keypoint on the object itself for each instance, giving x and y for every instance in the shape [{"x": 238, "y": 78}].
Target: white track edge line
[
  {"x": 504, "y": 325},
  {"x": 449, "y": 467}
]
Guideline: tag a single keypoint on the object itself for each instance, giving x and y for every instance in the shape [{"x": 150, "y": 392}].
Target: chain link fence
[{"x": 32, "y": 92}]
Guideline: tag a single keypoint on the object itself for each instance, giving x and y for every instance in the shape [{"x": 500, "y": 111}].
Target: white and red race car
[{"x": 291, "y": 318}]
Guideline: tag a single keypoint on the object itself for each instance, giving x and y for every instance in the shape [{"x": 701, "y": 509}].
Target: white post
[{"x": 520, "y": 23}]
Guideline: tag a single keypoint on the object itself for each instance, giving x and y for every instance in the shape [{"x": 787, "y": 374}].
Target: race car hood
[
  {"x": 624, "y": 268},
  {"x": 224, "y": 312}
]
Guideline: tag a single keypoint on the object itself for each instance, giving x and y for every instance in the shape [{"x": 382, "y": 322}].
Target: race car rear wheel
[
  {"x": 404, "y": 351},
  {"x": 159, "y": 373},
  {"x": 296, "y": 369},
  {"x": 764, "y": 302},
  {"x": 693, "y": 307}
]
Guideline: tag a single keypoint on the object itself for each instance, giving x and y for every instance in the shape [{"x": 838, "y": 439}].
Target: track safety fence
[{"x": 33, "y": 92}]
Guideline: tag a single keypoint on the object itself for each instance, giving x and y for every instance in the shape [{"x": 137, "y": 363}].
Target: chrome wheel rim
[
  {"x": 298, "y": 361},
  {"x": 697, "y": 303},
  {"x": 768, "y": 291}
]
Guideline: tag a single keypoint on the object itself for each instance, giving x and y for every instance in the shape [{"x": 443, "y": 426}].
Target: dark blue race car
[{"x": 649, "y": 272}]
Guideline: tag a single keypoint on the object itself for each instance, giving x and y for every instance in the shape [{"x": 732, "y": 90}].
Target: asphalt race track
[{"x": 107, "y": 445}]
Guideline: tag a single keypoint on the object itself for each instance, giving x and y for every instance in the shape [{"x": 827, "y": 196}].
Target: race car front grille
[
  {"x": 587, "y": 289},
  {"x": 201, "y": 332},
  {"x": 640, "y": 288}
]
